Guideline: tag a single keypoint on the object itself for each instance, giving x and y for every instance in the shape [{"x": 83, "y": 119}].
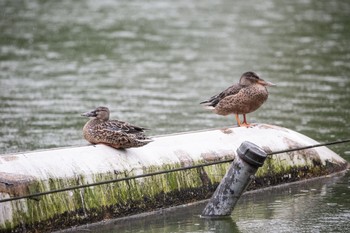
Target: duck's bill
[
  {"x": 89, "y": 114},
  {"x": 266, "y": 83}
]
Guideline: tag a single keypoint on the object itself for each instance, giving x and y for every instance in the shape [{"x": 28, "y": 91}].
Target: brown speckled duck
[
  {"x": 114, "y": 133},
  {"x": 241, "y": 98}
]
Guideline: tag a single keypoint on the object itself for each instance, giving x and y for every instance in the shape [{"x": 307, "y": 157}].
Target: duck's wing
[
  {"x": 126, "y": 127},
  {"x": 214, "y": 100}
]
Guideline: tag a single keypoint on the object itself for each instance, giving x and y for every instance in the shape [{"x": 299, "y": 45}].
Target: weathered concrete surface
[{"x": 39, "y": 171}]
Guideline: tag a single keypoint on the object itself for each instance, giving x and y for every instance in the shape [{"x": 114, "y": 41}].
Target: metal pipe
[{"x": 238, "y": 177}]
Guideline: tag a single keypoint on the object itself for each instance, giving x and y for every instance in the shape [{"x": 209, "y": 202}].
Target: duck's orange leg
[
  {"x": 245, "y": 119},
  {"x": 238, "y": 120},
  {"x": 245, "y": 123}
]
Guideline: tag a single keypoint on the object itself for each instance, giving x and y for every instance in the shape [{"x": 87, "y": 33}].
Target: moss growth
[{"x": 80, "y": 206}]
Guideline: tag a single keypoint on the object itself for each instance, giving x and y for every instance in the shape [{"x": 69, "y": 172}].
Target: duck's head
[
  {"x": 101, "y": 113},
  {"x": 250, "y": 78}
]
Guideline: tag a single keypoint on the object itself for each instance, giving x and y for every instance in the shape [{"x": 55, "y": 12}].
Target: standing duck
[
  {"x": 114, "y": 133},
  {"x": 241, "y": 98}
]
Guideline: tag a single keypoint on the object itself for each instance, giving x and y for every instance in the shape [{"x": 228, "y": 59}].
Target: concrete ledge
[{"x": 40, "y": 171}]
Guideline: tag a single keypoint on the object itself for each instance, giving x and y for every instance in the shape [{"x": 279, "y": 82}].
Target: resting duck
[
  {"x": 241, "y": 98},
  {"x": 114, "y": 133}
]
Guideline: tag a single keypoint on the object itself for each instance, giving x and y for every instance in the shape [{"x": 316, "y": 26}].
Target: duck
[
  {"x": 115, "y": 133},
  {"x": 241, "y": 98}
]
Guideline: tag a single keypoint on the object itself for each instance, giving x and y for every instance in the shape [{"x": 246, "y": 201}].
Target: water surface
[{"x": 152, "y": 62}]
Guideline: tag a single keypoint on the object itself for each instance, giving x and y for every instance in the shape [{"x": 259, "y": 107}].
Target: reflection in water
[
  {"x": 297, "y": 208},
  {"x": 221, "y": 225},
  {"x": 183, "y": 219}
]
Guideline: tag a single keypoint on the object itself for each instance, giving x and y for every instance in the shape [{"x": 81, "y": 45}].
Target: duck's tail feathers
[
  {"x": 207, "y": 105},
  {"x": 145, "y": 140},
  {"x": 212, "y": 102},
  {"x": 142, "y": 142}
]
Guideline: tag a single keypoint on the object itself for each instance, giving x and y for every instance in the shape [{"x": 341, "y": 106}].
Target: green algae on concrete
[
  {"x": 126, "y": 197},
  {"x": 90, "y": 203}
]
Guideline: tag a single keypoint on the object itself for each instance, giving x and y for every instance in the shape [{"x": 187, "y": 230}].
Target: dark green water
[{"x": 152, "y": 62}]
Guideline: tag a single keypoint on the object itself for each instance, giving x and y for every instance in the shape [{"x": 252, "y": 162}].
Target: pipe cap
[{"x": 252, "y": 154}]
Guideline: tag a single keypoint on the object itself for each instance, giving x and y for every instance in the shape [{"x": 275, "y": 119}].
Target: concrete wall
[{"x": 38, "y": 171}]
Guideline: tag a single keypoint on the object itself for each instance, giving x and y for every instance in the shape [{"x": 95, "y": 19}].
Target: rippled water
[{"x": 152, "y": 62}]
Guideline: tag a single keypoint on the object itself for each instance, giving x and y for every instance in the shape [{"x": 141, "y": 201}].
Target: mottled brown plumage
[
  {"x": 115, "y": 133},
  {"x": 241, "y": 98}
]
